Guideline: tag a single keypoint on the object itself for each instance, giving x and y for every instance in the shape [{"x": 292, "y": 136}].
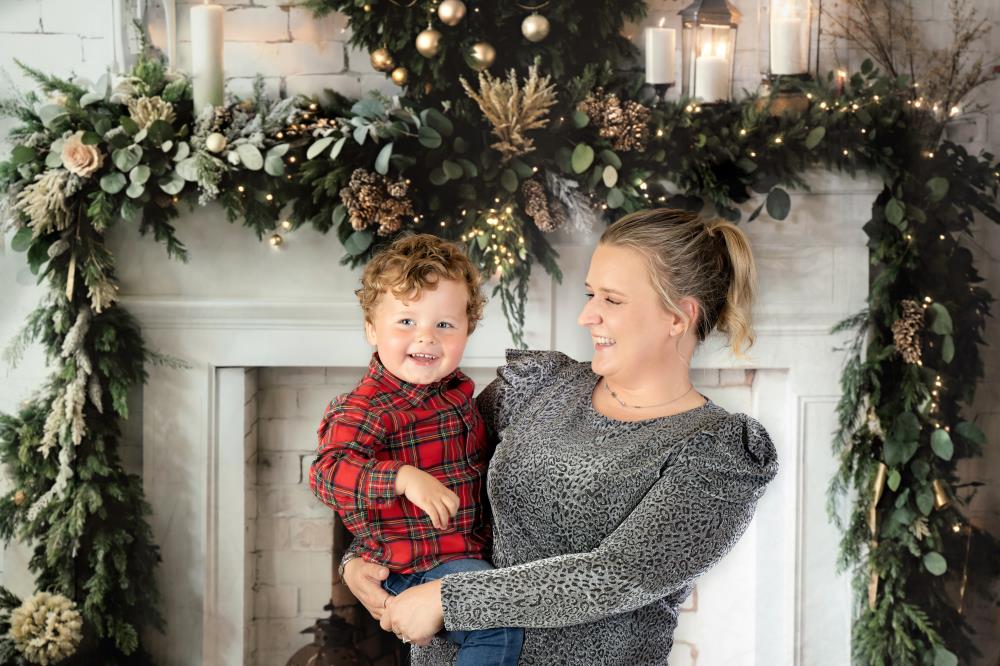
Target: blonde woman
[{"x": 615, "y": 484}]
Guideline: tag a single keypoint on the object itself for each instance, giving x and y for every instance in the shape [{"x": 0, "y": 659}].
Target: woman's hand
[
  {"x": 416, "y": 614},
  {"x": 365, "y": 580}
]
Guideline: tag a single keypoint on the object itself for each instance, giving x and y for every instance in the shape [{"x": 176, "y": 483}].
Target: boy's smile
[{"x": 421, "y": 340}]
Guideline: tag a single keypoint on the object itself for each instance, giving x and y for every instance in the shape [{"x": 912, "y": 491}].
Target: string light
[
  {"x": 743, "y": 132},
  {"x": 777, "y": 139},
  {"x": 286, "y": 225},
  {"x": 753, "y": 154},
  {"x": 276, "y": 240},
  {"x": 269, "y": 196},
  {"x": 240, "y": 189},
  {"x": 292, "y": 159}
]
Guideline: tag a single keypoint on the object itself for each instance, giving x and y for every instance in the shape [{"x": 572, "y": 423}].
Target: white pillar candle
[
  {"x": 711, "y": 75},
  {"x": 661, "y": 43},
  {"x": 170, "y": 19},
  {"x": 206, "y": 55},
  {"x": 786, "y": 45}
]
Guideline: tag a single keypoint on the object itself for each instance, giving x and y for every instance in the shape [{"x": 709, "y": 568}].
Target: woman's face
[{"x": 630, "y": 328}]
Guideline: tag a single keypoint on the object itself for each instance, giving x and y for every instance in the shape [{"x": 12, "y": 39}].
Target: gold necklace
[{"x": 623, "y": 404}]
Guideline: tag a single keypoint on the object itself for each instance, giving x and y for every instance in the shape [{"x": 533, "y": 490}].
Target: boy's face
[{"x": 421, "y": 340}]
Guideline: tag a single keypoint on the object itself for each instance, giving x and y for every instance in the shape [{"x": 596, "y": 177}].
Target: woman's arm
[{"x": 686, "y": 523}]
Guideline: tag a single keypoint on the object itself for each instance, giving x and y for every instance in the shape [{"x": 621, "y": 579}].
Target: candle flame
[
  {"x": 663, "y": 20},
  {"x": 706, "y": 50},
  {"x": 720, "y": 49}
]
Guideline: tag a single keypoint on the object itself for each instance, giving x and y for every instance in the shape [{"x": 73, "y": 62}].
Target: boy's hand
[{"x": 428, "y": 494}]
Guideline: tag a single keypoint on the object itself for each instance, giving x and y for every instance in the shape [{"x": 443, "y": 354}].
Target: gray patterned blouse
[{"x": 601, "y": 527}]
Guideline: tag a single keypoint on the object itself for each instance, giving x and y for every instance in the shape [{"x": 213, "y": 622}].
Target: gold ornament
[
  {"x": 429, "y": 42},
  {"x": 215, "y": 142},
  {"x": 19, "y": 497},
  {"x": 877, "y": 486},
  {"x": 400, "y": 76},
  {"x": 481, "y": 56},
  {"x": 451, "y": 12},
  {"x": 535, "y": 28},
  {"x": 382, "y": 60},
  {"x": 941, "y": 499},
  {"x": 276, "y": 240}
]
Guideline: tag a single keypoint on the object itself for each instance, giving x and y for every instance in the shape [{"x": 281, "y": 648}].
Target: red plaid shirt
[{"x": 384, "y": 423}]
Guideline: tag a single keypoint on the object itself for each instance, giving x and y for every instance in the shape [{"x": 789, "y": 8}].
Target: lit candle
[
  {"x": 170, "y": 17},
  {"x": 786, "y": 43},
  {"x": 206, "y": 55},
  {"x": 711, "y": 74},
  {"x": 660, "y": 46}
]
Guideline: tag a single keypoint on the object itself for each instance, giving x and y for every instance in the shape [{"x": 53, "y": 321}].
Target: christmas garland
[{"x": 449, "y": 161}]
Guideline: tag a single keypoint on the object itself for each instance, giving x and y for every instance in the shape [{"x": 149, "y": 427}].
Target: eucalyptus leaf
[
  {"x": 135, "y": 190},
  {"x": 437, "y": 176},
  {"x": 113, "y": 183},
  {"x": 580, "y": 119},
  {"x": 895, "y": 212},
  {"x": 469, "y": 167},
  {"x": 615, "y": 198},
  {"x": 50, "y": 113},
  {"x": 126, "y": 158},
  {"x": 508, "y": 179},
  {"x": 483, "y": 241},
  {"x": 944, "y": 657},
  {"x": 250, "y": 156},
  {"x": 438, "y": 121},
  {"x": 947, "y": 349},
  {"x": 778, "y": 203},
  {"x": 183, "y": 150},
  {"x": 358, "y": 242},
  {"x": 337, "y": 147},
  {"x": 429, "y": 137},
  {"x": 942, "y": 445},
  {"x": 971, "y": 432},
  {"x": 23, "y": 155},
  {"x": 167, "y": 146},
  {"x": 925, "y": 501},
  {"x": 942, "y": 320},
  {"x": 89, "y": 98},
  {"x": 54, "y": 158},
  {"x": 452, "y": 169},
  {"x": 339, "y": 214},
  {"x": 610, "y": 157},
  {"x": 609, "y": 175},
  {"x": 382, "y": 161},
  {"x": 139, "y": 174},
  {"x": 521, "y": 168},
  {"x": 277, "y": 150},
  {"x": 274, "y": 166},
  {"x": 21, "y": 240},
  {"x": 935, "y": 563},
  {"x": 171, "y": 183},
  {"x": 814, "y": 137},
  {"x": 360, "y": 134},
  {"x": 318, "y": 147},
  {"x": 893, "y": 480},
  {"x": 188, "y": 169},
  {"x": 583, "y": 156},
  {"x": 938, "y": 187}
]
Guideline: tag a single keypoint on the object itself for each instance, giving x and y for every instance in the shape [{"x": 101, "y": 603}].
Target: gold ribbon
[
  {"x": 877, "y": 486},
  {"x": 71, "y": 277}
]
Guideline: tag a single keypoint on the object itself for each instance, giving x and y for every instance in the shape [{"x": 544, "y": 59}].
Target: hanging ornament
[
  {"x": 941, "y": 498},
  {"x": 451, "y": 12},
  {"x": 400, "y": 76},
  {"x": 19, "y": 497},
  {"x": 535, "y": 28},
  {"x": 215, "y": 142},
  {"x": 382, "y": 60},
  {"x": 481, "y": 56},
  {"x": 429, "y": 42}
]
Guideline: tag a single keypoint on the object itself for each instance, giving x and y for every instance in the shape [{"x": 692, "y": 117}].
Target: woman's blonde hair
[
  {"x": 414, "y": 263},
  {"x": 688, "y": 256}
]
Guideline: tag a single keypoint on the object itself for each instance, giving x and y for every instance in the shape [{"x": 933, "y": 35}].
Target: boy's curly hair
[{"x": 416, "y": 262}]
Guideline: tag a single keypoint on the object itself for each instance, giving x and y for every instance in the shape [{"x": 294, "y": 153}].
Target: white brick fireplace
[{"x": 271, "y": 335}]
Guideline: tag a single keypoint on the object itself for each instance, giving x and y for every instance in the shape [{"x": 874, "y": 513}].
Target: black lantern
[
  {"x": 333, "y": 644},
  {"x": 708, "y": 49},
  {"x": 788, "y": 39}
]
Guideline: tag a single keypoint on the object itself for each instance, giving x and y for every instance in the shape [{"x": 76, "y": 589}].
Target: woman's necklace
[{"x": 661, "y": 404}]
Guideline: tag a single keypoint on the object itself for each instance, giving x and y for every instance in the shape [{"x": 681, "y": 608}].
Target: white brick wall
[{"x": 300, "y": 54}]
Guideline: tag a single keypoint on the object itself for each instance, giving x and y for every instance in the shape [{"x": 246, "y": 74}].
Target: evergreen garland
[{"x": 91, "y": 541}]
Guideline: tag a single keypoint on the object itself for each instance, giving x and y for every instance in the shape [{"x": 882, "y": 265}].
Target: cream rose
[{"x": 79, "y": 158}]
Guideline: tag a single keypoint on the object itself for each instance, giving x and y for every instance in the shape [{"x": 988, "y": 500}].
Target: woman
[{"x": 614, "y": 484}]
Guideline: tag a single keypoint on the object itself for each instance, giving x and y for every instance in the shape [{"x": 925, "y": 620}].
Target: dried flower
[
  {"x": 906, "y": 331},
  {"x": 626, "y": 125},
  {"x": 147, "y": 110},
  {"x": 44, "y": 202},
  {"x": 46, "y": 628},
  {"x": 79, "y": 158},
  {"x": 512, "y": 110},
  {"x": 546, "y": 216}
]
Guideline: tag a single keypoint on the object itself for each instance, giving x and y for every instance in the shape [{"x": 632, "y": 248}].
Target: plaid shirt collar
[{"x": 416, "y": 394}]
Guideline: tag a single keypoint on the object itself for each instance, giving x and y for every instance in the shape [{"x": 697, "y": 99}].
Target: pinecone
[
  {"x": 627, "y": 126},
  {"x": 221, "y": 119},
  {"x": 547, "y": 217},
  {"x": 374, "y": 199},
  {"x": 906, "y": 331}
]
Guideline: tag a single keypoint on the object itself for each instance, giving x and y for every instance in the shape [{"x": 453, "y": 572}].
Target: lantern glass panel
[
  {"x": 708, "y": 61},
  {"x": 787, "y": 40}
]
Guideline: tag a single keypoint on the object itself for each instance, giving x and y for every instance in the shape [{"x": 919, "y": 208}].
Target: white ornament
[
  {"x": 215, "y": 142},
  {"x": 535, "y": 28}
]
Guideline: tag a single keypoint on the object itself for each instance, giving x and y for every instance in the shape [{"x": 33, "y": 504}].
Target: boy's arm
[{"x": 345, "y": 474}]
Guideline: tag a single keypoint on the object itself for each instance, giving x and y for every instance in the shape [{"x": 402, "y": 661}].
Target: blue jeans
[{"x": 482, "y": 647}]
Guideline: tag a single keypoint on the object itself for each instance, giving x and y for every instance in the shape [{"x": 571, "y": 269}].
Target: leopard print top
[{"x": 601, "y": 526}]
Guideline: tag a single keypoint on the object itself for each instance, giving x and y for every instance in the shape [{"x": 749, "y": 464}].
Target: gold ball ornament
[
  {"x": 481, "y": 56},
  {"x": 451, "y": 12},
  {"x": 429, "y": 42},
  {"x": 19, "y": 498},
  {"x": 382, "y": 60},
  {"x": 535, "y": 28},
  {"x": 400, "y": 76},
  {"x": 215, "y": 142}
]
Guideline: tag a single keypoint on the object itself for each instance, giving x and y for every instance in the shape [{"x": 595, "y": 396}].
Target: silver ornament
[
  {"x": 535, "y": 28},
  {"x": 429, "y": 42},
  {"x": 451, "y": 12}
]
